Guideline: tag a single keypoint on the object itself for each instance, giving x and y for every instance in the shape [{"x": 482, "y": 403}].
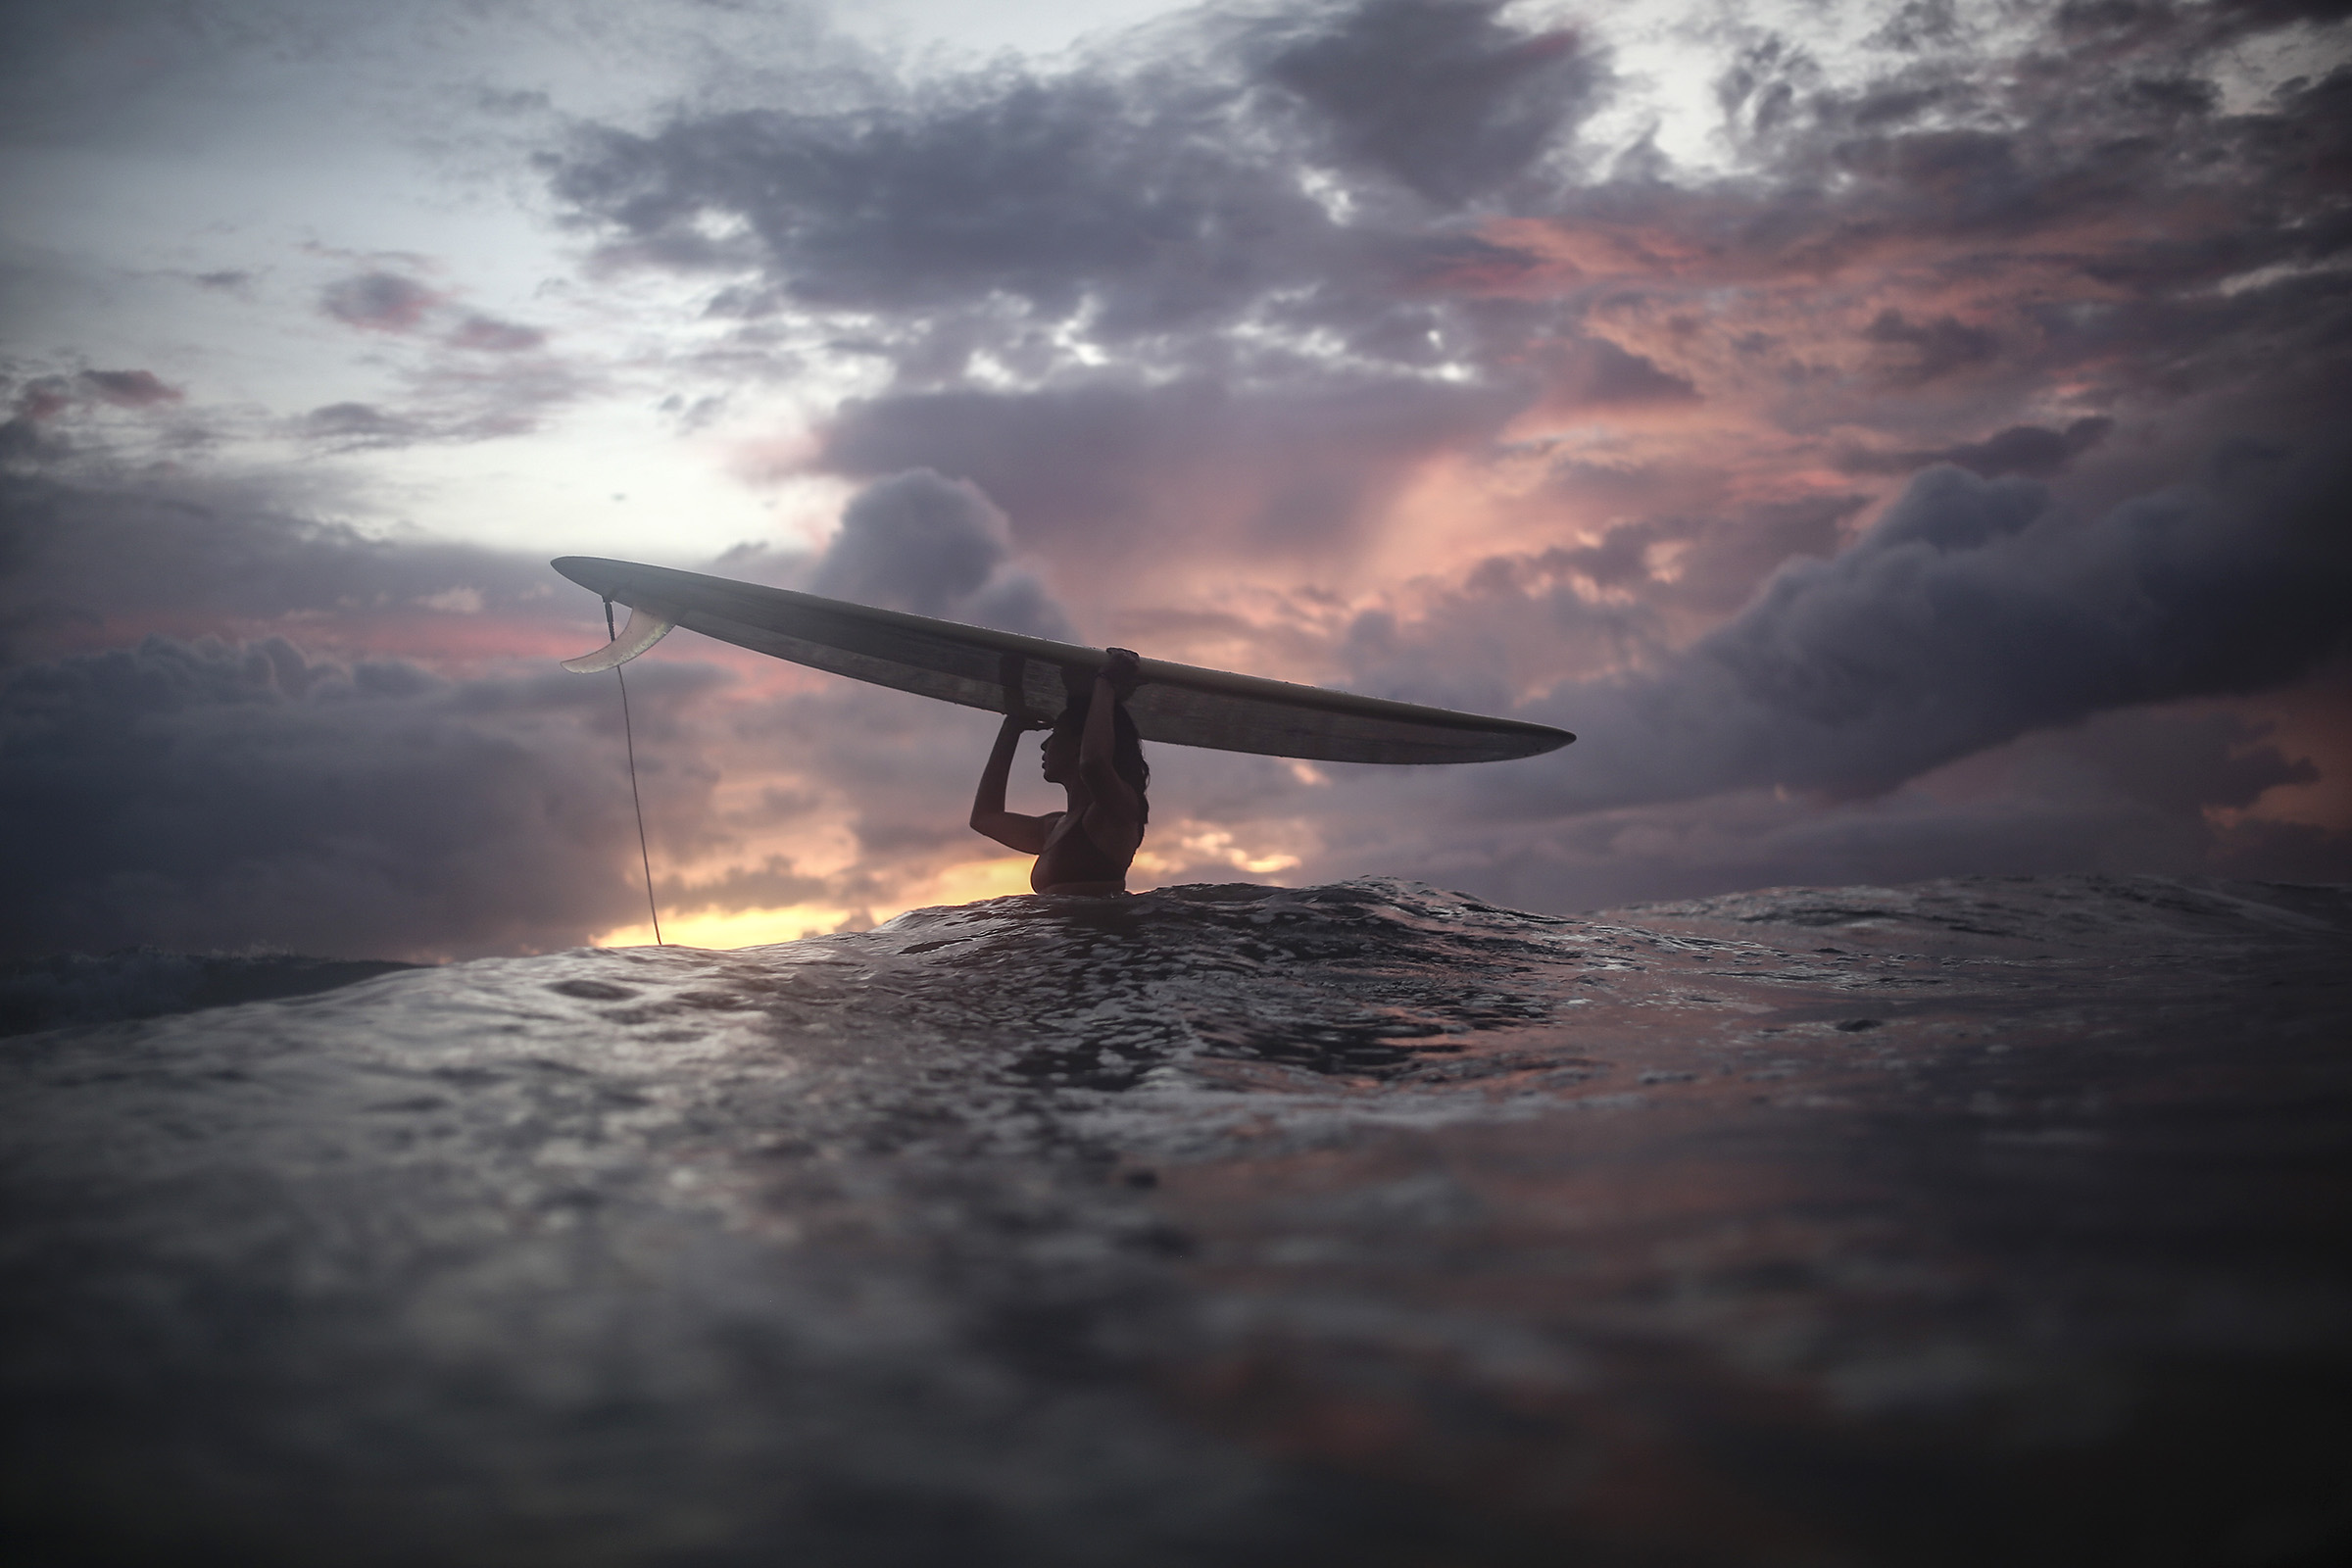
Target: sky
[{"x": 1902, "y": 440}]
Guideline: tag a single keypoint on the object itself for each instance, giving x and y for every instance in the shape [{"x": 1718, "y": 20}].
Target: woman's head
[{"x": 1126, "y": 747}]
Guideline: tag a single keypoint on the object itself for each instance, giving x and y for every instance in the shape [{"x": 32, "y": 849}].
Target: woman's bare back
[{"x": 1073, "y": 861}]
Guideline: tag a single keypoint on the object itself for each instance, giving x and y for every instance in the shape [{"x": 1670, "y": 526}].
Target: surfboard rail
[{"x": 975, "y": 666}]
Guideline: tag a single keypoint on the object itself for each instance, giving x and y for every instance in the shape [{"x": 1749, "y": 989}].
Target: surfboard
[{"x": 1177, "y": 704}]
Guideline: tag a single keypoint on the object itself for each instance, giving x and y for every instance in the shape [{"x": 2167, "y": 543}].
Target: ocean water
[
  {"x": 70, "y": 988},
  {"x": 1969, "y": 1221}
]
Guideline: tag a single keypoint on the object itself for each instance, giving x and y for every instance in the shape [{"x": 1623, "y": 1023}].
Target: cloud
[
  {"x": 455, "y": 396},
  {"x": 935, "y": 547},
  {"x": 130, "y": 389},
  {"x": 1438, "y": 94},
  {"x": 1709, "y": 562},
  {"x": 1376, "y": 343},
  {"x": 2023, "y": 448},
  {"x": 1926, "y": 350},
  {"x": 1595, "y": 371},
  {"x": 1280, "y": 179},
  {"x": 1971, "y": 611},
  {"x": 381, "y": 302},
  {"x": 1344, "y": 284},
  {"x": 204, "y": 795},
  {"x": 1105, "y": 469},
  {"x": 1118, "y": 290},
  {"x": 82, "y": 565},
  {"x": 2138, "y": 791},
  {"x": 1097, "y": 200},
  {"x": 349, "y": 426},
  {"x": 35, "y": 436},
  {"x": 234, "y": 716},
  {"x": 493, "y": 336}
]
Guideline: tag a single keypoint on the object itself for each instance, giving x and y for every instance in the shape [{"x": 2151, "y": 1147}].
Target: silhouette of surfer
[{"x": 1096, "y": 756}]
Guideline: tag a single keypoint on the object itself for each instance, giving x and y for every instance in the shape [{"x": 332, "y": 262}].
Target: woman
[{"x": 1095, "y": 755}]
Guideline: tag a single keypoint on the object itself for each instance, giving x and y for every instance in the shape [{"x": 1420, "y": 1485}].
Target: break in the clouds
[{"x": 1900, "y": 441}]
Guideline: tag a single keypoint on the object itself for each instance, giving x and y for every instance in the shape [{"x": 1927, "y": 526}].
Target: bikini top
[{"x": 1075, "y": 856}]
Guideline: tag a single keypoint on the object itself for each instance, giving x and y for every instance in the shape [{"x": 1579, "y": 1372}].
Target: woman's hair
[{"x": 1126, "y": 746}]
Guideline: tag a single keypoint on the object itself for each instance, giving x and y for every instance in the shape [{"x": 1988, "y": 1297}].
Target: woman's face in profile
[{"x": 1060, "y": 751}]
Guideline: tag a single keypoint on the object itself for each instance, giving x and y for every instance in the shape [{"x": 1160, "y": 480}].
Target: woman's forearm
[
  {"x": 988, "y": 799},
  {"x": 1099, "y": 745}
]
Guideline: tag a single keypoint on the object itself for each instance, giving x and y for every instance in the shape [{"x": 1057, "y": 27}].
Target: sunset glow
[{"x": 1899, "y": 440}]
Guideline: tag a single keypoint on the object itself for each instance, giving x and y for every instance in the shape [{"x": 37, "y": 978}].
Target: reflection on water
[{"x": 1972, "y": 1221}]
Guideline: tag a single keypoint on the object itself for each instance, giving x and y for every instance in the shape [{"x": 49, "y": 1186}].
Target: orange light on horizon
[{"x": 966, "y": 882}]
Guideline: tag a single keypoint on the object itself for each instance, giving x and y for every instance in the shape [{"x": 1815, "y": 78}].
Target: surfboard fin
[{"x": 642, "y": 632}]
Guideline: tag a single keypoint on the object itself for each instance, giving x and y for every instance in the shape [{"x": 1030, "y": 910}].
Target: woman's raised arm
[
  {"x": 1011, "y": 829},
  {"x": 1114, "y": 819}
]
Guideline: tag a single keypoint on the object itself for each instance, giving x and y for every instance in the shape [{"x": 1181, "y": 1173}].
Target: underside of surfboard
[{"x": 1177, "y": 704}]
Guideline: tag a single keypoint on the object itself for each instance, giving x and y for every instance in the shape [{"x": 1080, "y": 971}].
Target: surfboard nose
[{"x": 593, "y": 573}]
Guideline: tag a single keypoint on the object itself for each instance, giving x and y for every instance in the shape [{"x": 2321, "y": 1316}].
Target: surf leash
[{"x": 629, "y": 738}]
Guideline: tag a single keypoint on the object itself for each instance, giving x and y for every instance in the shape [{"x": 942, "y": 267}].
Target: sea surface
[{"x": 1979, "y": 1221}]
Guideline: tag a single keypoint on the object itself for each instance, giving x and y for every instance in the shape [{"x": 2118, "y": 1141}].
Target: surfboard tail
[{"x": 643, "y": 631}]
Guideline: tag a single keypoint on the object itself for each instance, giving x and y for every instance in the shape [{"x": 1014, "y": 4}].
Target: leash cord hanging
[{"x": 629, "y": 738}]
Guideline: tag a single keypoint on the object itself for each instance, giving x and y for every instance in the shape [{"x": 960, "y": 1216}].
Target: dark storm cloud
[
  {"x": 1971, "y": 612},
  {"x": 2031, "y": 450},
  {"x": 1438, "y": 95},
  {"x": 81, "y": 563},
  {"x": 204, "y": 795},
  {"x": 1926, "y": 350},
  {"x": 194, "y": 792},
  {"x": 935, "y": 547},
  {"x": 1265, "y": 218},
  {"x": 1085, "y": 188},
  {"x": 1160, "y": 195},
  {"x": 31, "y": 438},
  {"x": 2137, "y": 24},
  {"x": 2130, "y": 791},
  {"x": 1149, "y": 201},
  {"x": 1702, "y": 563}
]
